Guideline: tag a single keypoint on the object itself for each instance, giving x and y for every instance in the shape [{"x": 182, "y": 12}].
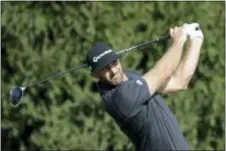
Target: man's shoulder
[{"x": 133, "y": 74}]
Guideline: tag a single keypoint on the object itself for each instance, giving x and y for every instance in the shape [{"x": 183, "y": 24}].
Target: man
[{"x": 133, "y": 99}]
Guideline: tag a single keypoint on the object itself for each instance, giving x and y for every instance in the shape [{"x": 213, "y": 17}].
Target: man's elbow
[
  {"x": 184, "y": 87},
  {"x": 175, "y": 85},
  {"x": 185, "y": 82},
  {"x": 177, "y": 88}
]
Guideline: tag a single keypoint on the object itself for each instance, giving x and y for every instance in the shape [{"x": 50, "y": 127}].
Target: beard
[{"x": 115, "y": 79}]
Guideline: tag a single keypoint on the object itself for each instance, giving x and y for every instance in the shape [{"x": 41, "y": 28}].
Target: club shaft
[
  {"x": 85, "y": 65},
  {"x": 144, "y": 44},
  {"x": 58, "y": 74}
]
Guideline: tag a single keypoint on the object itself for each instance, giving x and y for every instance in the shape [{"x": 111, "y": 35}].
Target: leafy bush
[{"x": 42, "y": 38}]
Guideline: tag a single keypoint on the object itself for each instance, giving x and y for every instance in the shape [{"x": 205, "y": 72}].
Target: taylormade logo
[
  {"x": 95, "y": 59},
  {"x": 139, "y": 82}
]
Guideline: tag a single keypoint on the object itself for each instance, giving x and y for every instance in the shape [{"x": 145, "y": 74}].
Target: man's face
[{"x": 112, "y": 74}]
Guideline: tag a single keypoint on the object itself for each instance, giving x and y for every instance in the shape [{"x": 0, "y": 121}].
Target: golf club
[{"x": 17, "y": 92}]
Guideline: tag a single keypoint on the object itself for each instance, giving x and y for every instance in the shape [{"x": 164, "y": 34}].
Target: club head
[{"x": 15, "y": 95}]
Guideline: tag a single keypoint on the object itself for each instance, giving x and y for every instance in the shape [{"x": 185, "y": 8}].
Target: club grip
[{"x": 164, "y": 37}]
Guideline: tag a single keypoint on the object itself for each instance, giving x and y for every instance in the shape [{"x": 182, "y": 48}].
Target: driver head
[{"x": 15, "y": 95}]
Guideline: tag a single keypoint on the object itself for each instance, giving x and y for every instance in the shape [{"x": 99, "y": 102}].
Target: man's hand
[
  {"x": 193, "y": 31},
  {"x": 178, "y": 34}
]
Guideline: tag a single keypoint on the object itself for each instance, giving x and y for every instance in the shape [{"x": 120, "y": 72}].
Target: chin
[{"x": 116, "y": 82}]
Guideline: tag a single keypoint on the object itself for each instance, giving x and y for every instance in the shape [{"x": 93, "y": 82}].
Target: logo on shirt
[
  {"x": 95, "y": 59},
  {"x": 139, "y": 82}
]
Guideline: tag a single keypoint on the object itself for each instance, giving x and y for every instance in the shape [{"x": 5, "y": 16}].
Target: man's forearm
[
  {"x": 165, "y": 67},
  {"x": 170, "y": 61},
  {"x": 189, "y": 63}
]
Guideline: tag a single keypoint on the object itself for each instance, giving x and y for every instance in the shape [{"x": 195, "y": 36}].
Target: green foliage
[{"x": 42, "y": 38}]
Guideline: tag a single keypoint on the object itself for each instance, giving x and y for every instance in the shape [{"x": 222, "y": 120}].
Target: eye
[
  {"x": 114, "y": 63},
  {"x": 105, "y": 69}
]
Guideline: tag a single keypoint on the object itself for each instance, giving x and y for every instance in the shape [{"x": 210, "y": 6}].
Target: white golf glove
[{"x": 193, "y": 30}]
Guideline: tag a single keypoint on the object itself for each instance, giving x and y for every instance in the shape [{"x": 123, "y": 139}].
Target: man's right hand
[{"x": 178, "y": 34}]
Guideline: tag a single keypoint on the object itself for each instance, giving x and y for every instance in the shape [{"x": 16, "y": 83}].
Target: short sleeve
[{"x": 130, "y": 96}]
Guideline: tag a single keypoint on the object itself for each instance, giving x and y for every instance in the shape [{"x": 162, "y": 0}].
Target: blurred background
[{"x": 39, "y": 39}]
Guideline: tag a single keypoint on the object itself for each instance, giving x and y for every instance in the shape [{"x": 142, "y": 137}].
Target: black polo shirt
[{"x": 145, "y": 119}]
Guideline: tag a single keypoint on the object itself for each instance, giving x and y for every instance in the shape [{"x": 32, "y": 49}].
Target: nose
[{"x": 113, "y": 69}]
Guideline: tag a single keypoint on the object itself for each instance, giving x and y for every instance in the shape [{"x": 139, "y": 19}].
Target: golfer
[{"x": 133, "y": 100}]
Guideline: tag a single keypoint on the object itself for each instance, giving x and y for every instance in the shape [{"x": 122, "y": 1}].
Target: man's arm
[
  {"x": 182, "y": 76},
  {"x": 166, "y": 66}
]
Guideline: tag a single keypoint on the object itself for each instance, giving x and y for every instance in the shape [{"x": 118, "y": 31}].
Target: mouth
[
  {"x": 116, "y": 79},
  {"x": 115, "y": 76}
]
